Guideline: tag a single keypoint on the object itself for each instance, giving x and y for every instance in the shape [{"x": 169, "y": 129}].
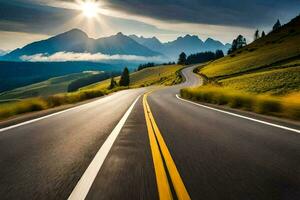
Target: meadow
[{"x": 273, "y": 82}]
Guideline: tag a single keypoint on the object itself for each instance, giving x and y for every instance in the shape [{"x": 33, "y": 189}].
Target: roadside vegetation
[
  {"x": 160, "y": 75},
  {"x": 283, "y": 106},
  {"x": 263, "y": 77}
]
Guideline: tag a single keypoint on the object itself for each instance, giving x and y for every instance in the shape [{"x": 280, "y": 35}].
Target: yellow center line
[{"x": 161, "y": 177}]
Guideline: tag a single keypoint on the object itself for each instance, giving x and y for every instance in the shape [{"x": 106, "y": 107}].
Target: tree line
[
  {"x": 240, "y": 41},
  {"x": 151, "y": 64},
  {"x": 199, "y": 57}
]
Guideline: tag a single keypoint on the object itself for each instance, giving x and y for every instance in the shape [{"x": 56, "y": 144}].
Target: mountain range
[
  {"x": 77, "y": 41},
  {"x": 188, "y": 44},
  {"x": 3, "y": 52}
]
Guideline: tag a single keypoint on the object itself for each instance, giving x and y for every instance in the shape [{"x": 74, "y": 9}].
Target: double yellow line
[{"x": 161, "y": 155}]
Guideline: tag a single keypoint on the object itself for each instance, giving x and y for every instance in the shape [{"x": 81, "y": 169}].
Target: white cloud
[{"x": 71, "y": 56}]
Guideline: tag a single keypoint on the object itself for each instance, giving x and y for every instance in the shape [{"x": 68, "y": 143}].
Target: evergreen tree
[
  {"x": 219, "y": 54},
  {"x": 237, "y": 43},
  {"x": 263, "y": 34},
  {"x": 113, "y": 83},
  {"x": 277, "y": 25},
  {"x": 256, "y": 35},
  {"x": 125, "y": 79},
  {"x": 182, "y": 59}
]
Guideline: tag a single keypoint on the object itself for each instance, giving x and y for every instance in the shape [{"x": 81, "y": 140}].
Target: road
[{"x": 130, "y": 146}]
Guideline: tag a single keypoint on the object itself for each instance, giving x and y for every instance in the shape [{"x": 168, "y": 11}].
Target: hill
[
  {"x": 78, "y": 41},
  {"x": 18, "y": 74},
  {"x": 276, "y": 49},
  {"x": 159, "y": 75},
  {"x": 262, "y": 77},
  {"x": 52, "y": 86}
]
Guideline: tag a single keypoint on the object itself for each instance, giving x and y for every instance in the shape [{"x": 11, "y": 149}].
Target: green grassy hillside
[
  {"x": 45, "y": 88},
  {"x": 275, "y": 82},
  {"x": 160, "y": 75},
  {"x": 277, "y": 48},
  {"x": 262, "y": 77}
]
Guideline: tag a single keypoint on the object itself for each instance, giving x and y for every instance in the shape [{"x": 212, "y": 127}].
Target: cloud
[
  {"x": 246, "y": 13},
  {"x": 71, "y": 56}
]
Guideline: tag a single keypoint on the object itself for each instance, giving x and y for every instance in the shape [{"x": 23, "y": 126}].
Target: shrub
[{"x": 288, "y": 106}]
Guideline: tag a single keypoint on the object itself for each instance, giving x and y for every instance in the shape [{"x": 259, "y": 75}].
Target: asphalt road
[{"x": 218, "y": 156}]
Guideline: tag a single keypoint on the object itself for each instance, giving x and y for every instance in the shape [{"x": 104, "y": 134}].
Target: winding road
[{"x": 150, "y": 144}]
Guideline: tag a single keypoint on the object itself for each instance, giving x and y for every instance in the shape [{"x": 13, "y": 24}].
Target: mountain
[
  {"x": 123, "y": 45},
  {"x": 188, "y": 44},
  {"x": 78, "y": 41},
  {"x": 3, "y": 52},
  {"x": 151, "y": 43},
  {"x": 212, "y": 45}
]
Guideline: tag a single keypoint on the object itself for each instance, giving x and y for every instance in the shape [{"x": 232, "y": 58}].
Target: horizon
[{"x": 151, "y": 20}]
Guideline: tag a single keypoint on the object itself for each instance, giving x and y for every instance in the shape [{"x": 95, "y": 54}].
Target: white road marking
[
  {"x": 84, "y": 184},
  {"x": 38, "y": 119},
  {"x": 240, "y": 116},
  {"x": 47, "y": 116}
]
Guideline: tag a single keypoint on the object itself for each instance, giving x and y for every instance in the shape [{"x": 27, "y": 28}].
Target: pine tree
[
  {"x": 237, "y": 43},
  {"x": 263, "y": 34},
  {"x": 125, "y": 79},
  {"x": 182, "y": 59},
  {"x": 113, "y": 83},
  {"x": 219, "y": 54},
  {"x": 256, "y": 35},
  {"x": 277, "y": 25}
]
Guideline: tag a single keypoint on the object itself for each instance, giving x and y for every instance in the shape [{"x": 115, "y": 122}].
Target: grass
[
  {"x": 160, "y": 75},
  {"x": 274, "y": 82},
  {"x": 163, "y": 75},
  {"x": 263, "y": 77},
  {"x": 52, "y": 86},
  {"x": 276, "y": 46},
  {"x": 288, "y": 106}
]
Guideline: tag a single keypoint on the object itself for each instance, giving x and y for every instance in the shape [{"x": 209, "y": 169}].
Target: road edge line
[
  {"x": 46, "y": 116},
  {"x": 240, "y": 116},
  {"x": 84, "y": 184}
]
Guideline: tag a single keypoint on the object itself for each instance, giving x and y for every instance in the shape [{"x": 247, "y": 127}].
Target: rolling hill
[
  {"x": 49, "y": 87},
  {"x": 262, "y": 77},
  {"x": 159, "y": 75},
  {"x": 276, "y": 49},
  {"x": 267, "y": 65}
]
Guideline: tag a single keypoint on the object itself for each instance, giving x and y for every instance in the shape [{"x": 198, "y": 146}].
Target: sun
[{"x": 90, "y": 9}]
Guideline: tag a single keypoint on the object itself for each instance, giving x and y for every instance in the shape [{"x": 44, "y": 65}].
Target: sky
[{"x": 25, "y": 21}]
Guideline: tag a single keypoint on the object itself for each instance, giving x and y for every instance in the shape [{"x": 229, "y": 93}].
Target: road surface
[{"x": 155, "y": 146}]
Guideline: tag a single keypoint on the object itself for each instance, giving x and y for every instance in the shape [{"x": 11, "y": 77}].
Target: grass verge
[{"x": 282, "y": 106}]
